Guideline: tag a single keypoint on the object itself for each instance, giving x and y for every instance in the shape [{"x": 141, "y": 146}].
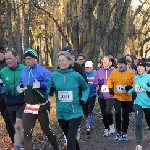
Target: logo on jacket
[{"x": 7, "y": 78}]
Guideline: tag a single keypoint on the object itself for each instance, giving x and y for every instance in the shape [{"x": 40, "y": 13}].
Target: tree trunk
[
  {"x": 26, "y": 25},
  {"x": 19, "y": 32},
  {"x": 56, "y": 36},
  {"x": 116, "y": 36},
  {"x": 9, "y": 24},
  {"x": 75, "y": 26}
]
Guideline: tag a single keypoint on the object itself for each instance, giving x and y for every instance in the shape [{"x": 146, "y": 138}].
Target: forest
[{"x": 91, "y": 27}]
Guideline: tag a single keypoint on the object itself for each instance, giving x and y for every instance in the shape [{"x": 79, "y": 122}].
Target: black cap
[
  {"x": 67, "y": 49},
  {"x": 2, "y": 49},
  {"x": 141, "y": 63},
  {"x": 122, "y": 60}
]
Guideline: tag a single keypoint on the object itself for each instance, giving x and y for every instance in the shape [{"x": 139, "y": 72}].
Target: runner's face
[
  {"x": 121, "y": 66},
  {"x": 63, "y": 62},
  {"x": 106, "y": 62},
  {"x": 80, "y": 60},
  {"x": 88, "y": 69},
  {"x": 30, "y": 61},
  {"x": 11, "y": 60},
  {"x": 140, "y": 69},
  {"x": 1, "y": 56},
  {"x": 147, "y": 68}
]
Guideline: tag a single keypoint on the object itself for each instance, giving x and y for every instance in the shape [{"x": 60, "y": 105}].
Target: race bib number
[
  {"x": 121, "y": 89},
  {"x": 32, "y": 109},
  {"x": 139, "y": 89},
  {"x": 90, "y": 79},
  {"x": 104, "y": 88},
  {"x": 65, "y": 96}
]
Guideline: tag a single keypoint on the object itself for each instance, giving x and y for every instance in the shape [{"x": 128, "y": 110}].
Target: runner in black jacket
[{"x": 3, "y": 109}]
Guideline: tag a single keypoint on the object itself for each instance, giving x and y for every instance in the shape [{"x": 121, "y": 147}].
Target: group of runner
[{"x": 118, "y": 84}]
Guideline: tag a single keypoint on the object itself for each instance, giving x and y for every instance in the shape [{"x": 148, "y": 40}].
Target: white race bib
[
  {"x": 32, "y": 109},
  {"x": 65, "y": 96},
  {"x": 121, "y": 89},
  {"x": 139, "y": 89},
  {"x": 90, "y": 80},
  {"x": 104, "y": 88}
]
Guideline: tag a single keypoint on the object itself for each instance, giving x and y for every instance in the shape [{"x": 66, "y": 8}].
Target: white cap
[{"x": 88, "y": 64}]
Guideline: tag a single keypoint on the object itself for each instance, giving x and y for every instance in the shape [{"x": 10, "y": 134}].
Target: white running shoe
[
  {"x": 88, "y": 130},
  {"x": 111, "y": 129},
  {"x": 138, "y": 147},
  {"x": 106, "y": 133}
]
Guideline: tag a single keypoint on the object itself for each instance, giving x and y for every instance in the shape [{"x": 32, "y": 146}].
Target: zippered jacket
[
  {"x": 90, "y": 78},
  {"x": 2, "y": 65},
  {"x": 118, "y": 80},
  {"x": 140, "y": 88},
  {"x": 67, "y": 84},
  {"x": 28, "y": 76},
  {"x": 100, "y": 80},
  {"x": 10, "y": 77}
]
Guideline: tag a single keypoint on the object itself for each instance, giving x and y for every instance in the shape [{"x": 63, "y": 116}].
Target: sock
[{"x": 17, "y": 147}]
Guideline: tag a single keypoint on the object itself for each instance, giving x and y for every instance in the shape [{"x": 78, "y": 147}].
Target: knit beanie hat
[
  {"x": 122, "y": 60},
  {"x": 67, "y": 49},
  {"x": 141, "y": 63},
  {"x": 2, "y": 49},
  {"x": 31, "y": 52}
]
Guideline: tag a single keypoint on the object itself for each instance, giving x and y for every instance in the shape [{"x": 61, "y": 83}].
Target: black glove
[
  {"x": 82, "y": 103},
  {"x": 128, "y": 87},
  {"x": 111, "y": 91},
  {"x": 148, "y": 93},
  {"x": 52, "y": 90},
  {"x": 21, "y": 85},
  {"x": 98, "y": 92}
]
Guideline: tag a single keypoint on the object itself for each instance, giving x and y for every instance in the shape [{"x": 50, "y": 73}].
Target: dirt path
[{"x": 94, "y": 141}]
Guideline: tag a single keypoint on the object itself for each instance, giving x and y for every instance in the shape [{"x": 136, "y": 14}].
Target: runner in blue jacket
[
  {"x": 34, "y": 81},
  {"x": 88, "y": 108}
]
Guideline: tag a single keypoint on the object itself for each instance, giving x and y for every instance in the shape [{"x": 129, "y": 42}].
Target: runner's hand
[
  {"x": 36, "y": 84},
  {"x": 82, "y": 103},
  {"x": 128, "y": 87},
  {"x": 111, "y": 91},
  {"x": 52, "y": 90},
  {"x": 20, "y": 89}
]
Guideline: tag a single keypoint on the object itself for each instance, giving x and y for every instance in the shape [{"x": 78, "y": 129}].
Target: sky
[{"x": 135, "y": 3}]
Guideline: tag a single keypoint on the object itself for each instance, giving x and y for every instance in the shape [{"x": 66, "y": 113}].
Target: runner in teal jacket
[{"x": 67, "y": 83}]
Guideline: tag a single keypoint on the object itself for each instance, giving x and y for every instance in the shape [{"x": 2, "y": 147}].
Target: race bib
[
  {"x": 32, "y": 109},
  {"x": 104, "y": 88},
  {"x": 139, "y": 89},
  {"x": 121, "y": 89},
  {"x": 65, "y": 96},
  {"x": 90, "y": 79}
]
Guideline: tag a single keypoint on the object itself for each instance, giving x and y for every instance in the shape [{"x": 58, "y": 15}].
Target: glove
[
  {"x": 128, "y": 87},
  {"x": 98, "y": 92},
  {"x": 20, "y": 88},
  {"x": 111, "y": 91},
  {"x": 1, "y": 82},
  {"x": 82, "y": 103},
  {"x": 36, "y": 84},
  {"x": 52, "y": 90},
  {"x": 5, "y": 90},
  {"x": 148, "y": 93}
]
